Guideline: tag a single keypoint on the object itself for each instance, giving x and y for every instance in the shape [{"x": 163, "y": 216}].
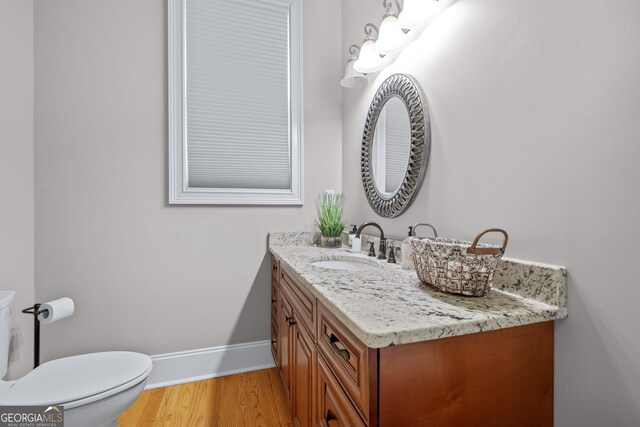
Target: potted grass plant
[{"x": 329, "y": 206}]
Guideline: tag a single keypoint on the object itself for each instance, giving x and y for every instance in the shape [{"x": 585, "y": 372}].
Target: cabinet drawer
[
  {"x": 334, "y": 407},
  {"x": 349, "y": 359},
  {"x": 301, "y": 299}
]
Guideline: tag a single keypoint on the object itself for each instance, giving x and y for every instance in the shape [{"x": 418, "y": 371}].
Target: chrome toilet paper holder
[{"x": 35, "y": 310}]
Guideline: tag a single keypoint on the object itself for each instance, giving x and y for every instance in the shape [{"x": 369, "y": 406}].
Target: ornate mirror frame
[{"x": 407, "y": 89}]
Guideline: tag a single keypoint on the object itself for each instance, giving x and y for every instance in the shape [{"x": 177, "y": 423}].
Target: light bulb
[
  {"x": 353, "y": 78},
  {"x": 416, "y": 13},
  {"x": 369, "y": 60},
  {"x": 391, "y": 37}
]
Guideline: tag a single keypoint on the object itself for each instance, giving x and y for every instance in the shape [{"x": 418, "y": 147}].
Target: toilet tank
[{"x": 6, "y": 298}]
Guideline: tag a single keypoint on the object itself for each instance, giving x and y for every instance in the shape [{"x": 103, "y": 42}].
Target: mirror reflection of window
[{"x": 392, "y": 146}]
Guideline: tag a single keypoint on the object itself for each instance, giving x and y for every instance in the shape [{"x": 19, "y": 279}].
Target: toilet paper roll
[{"x": 57, "y": 309}]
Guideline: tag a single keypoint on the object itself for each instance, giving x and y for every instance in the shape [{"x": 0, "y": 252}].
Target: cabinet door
[
  {"x": 284, "y": 343},
  {"x": 334, "y": 409},
  {"x": 275, "y": 270},
  {"x": 274, "y": 342},
  {"x": 304, "y": 355},
  {"x": 275, "y": 346}
]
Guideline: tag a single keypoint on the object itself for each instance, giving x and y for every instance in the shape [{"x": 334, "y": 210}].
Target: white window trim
[{"x": 179, "y": 191}]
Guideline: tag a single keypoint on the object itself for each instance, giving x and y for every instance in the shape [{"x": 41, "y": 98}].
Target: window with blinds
[{"x": 234, "y": 102}]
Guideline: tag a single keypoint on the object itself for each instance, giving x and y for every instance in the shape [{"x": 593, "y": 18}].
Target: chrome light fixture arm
[
  {"x": 354, "y": 51},
  {"x": 369, "y": 28},
  {"x": 388, "y": 5}
]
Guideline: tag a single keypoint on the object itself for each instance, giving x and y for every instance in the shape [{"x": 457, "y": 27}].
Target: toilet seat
[{"x": 79, "y": 380}]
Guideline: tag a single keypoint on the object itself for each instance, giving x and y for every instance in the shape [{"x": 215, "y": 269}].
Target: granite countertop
[{"x": 389, "y": 305}]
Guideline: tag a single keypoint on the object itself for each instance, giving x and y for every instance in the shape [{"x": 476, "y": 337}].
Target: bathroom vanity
[{"x": 379, "y": 348}]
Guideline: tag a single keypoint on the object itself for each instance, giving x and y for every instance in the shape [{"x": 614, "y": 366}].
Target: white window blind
[{"x": 235, "y": 102}]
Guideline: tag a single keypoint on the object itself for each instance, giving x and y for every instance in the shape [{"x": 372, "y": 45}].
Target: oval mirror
[{"x": 395, "y": 145}]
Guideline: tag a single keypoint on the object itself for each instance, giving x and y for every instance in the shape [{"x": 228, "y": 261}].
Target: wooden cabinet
[
  {"x": 285, "y": 336},
  {"x": 496, "y": 378},
  {"x": 304, "y": 359},
  {"x": 275, "y": 290},
  {"x": 296, "y": 348}
]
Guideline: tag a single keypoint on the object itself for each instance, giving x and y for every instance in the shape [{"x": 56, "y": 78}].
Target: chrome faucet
[
  {"x": 412, "y": 230},
  {"x": 382, "y": 250}
]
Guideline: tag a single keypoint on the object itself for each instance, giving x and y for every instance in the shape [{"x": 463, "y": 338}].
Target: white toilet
[{"x": 93, "y": 388}]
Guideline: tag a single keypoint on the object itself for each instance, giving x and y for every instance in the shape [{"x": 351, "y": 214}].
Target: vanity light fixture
[
  {"x": 369, "y": 60},
  {"x": 417, "y": 13},
  {"x": 353, "y": 78},
  {"x": 391, "y": 38}
]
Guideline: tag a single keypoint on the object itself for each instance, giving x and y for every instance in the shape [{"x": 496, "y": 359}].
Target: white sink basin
[{"x": 344, "y": 264}]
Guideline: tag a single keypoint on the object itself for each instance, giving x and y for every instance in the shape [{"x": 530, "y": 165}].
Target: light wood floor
[{"x": 252, "y": 399}]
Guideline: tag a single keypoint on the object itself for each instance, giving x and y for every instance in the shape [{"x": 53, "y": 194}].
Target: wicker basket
[{"x": 456, "y": 266}]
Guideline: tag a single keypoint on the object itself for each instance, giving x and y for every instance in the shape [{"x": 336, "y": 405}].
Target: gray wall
[
  {"x": 16, "y": 172},
  {"x": 146, "y": 276},
  {"x": 534, "y": 109}
]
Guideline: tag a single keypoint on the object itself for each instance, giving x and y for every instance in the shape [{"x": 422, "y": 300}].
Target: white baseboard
[{"x": 195, "y": 365}]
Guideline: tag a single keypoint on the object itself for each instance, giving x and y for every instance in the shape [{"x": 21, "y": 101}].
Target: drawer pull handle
[
  {"x": 290, "y": 320},
  {"x": 330, "y": 420},
  {"x": 274, "y": 267},
  {"x": 273, "y": 341},
  {"x": 273, "y": 300},
  {"x": 344, "y": 353}
]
